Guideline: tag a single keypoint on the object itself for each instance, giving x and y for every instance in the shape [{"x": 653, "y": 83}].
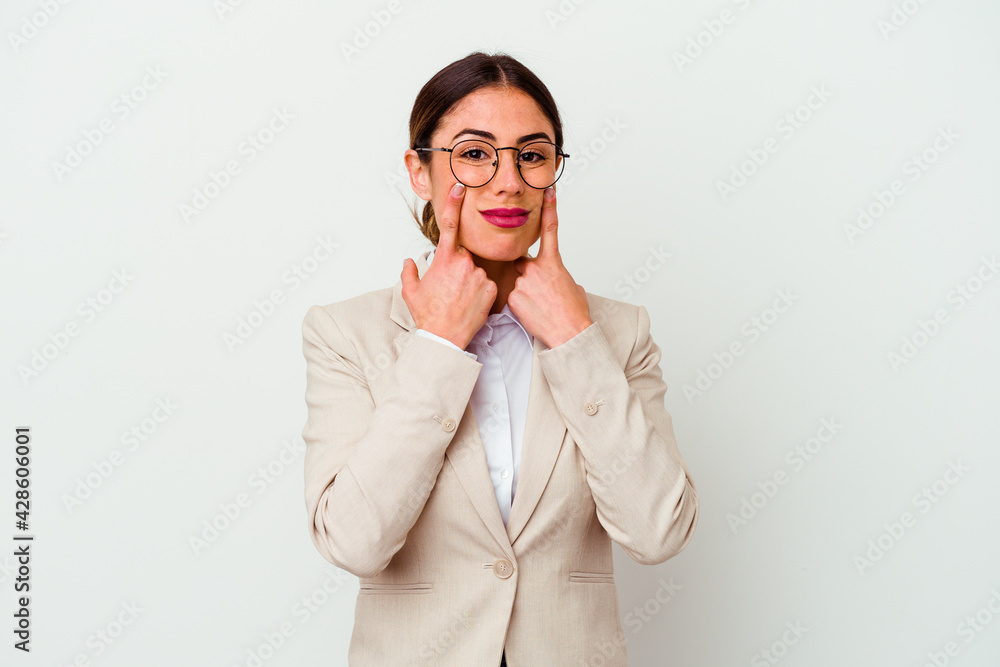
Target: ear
[{"x": 420, "y": 174}]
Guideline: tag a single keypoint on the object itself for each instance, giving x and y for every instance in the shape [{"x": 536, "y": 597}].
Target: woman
[{"x": 423, "y": 397}]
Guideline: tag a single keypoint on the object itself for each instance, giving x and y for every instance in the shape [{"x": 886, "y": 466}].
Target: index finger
[
  {"x": 549, "y": 245},
  {"x": 447, "y": 222}
]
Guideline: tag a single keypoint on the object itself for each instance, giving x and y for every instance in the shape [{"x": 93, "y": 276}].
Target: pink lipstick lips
[{"x": 506, "y": 217}]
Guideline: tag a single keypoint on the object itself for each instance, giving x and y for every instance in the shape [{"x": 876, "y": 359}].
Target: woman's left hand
[{"x": 545, "y": 298}]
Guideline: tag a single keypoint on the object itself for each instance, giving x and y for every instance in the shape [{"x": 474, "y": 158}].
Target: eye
[
  {"x": 532, "y": 157},
  {"x": 474, "y": 154}
]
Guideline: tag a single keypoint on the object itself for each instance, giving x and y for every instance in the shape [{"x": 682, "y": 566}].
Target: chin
[
  {"x": 505, "y": 252},
  {"x": 496, "y": 256}
]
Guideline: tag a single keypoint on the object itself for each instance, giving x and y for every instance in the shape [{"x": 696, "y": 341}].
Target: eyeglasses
[{"x": 474, "y": 162}]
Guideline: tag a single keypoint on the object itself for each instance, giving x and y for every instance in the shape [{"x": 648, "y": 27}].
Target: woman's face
[{"x": 503, "y": 117}]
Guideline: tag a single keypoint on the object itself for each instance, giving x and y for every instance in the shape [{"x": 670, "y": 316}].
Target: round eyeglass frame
[{"x": 496, "y": 165}]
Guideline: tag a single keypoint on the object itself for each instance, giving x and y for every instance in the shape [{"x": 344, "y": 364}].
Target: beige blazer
[{"x": 398, "y": 492}]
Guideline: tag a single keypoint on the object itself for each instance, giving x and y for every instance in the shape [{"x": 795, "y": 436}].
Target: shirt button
[
  {"x": 504, "y": 474},
  {"x": 591, "y": 408},
  {"x": 502, "y": 568},
  {"x": 496, "y": 406},
  {"x": 448, "y": 425}
]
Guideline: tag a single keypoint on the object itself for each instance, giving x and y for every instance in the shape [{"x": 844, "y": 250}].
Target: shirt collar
[{"x": 496, "y": 318}]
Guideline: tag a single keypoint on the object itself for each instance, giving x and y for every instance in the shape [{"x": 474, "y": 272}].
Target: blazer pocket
[
  {"x": 381, "y": 588},
  {"x": 593, "y": 577}
]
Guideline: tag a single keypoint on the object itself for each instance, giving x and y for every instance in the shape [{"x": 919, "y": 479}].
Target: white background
[{"x": 333, "y": 172}]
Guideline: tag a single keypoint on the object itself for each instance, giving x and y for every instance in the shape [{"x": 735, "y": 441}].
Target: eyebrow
[{"x": 492, "y": 137}]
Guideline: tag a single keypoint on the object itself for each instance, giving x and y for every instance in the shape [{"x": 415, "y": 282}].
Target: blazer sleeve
[
  {"x": 369, "y": 468},
  {"x": 645, "y": 497}
]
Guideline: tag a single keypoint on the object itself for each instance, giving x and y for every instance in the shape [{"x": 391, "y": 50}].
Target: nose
[{"x": 507, "y": 178}]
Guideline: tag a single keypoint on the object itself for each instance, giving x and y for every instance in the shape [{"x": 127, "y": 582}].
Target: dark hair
[{"x": 451, "y": 84}]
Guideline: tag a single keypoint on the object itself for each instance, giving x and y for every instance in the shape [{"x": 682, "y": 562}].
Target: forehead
[{"x": 506, "y": 112}]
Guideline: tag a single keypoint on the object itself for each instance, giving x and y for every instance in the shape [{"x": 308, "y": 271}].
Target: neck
[{"x": 503, "y": 274}]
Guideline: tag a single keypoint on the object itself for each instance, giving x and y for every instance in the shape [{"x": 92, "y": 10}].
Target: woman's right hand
[{"x": 455, "y": 296}]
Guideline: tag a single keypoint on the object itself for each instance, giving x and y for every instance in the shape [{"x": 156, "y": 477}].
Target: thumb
[{"x": 409, "y": 275}]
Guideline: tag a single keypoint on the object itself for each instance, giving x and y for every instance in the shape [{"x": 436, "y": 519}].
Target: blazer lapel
[{"x": 544, "y": 433}]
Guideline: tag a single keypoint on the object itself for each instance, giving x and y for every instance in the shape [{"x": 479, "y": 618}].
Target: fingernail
[
  {"x": 550, "y": 192},
  {"x": 456, "y": 189}
]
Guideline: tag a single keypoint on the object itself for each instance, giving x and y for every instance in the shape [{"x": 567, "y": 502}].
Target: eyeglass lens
[{"x": 474, "y": 163}]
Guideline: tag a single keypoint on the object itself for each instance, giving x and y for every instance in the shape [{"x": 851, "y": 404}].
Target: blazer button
[
  {"x": 591, "y": 408},
  {"x": 448, "y": 425},
  {"x": 502, "y": 568}
]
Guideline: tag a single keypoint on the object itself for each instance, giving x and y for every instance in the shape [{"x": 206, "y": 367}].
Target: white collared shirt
[{"x": 500, "y": 398}]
